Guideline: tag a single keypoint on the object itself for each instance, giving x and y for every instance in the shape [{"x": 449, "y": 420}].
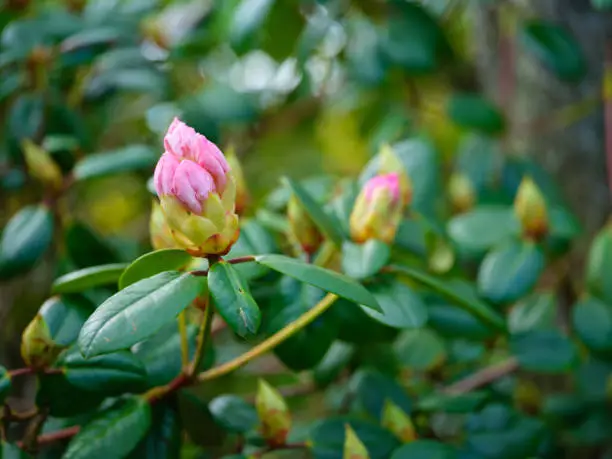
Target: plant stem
[
  {"x": 55, "y": 436},
  {"x": 271, "y": 342},
  {"x": 483, "y": 377},
  {"x": 182, "y": 326},
  {"x": 20, "y": 371},
  {"x": 233, "y": 261},
  {"x": 203, "y": 336}
]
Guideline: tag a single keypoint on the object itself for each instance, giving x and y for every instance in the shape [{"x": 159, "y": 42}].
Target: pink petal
[
  {"x": 389, "y": 181},
  {"x": 192, "y": 184},
  {"x": 164, "y": 173},
  {"x": 211, "y": 158},
  {"x": 179, "y": 139}
]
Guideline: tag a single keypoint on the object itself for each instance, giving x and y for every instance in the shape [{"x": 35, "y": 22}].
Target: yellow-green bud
[
  {"x": 37, "y": 346},
  {"x": 399, "y": 423},
  {"x": 273, "y": 413},
  {"x": 242, "y": 191},
  {"x": 40, "y": 165},
  {"x": 378, "y": 209},
  {"x": 160, "y": 232},
  {"x": 302, "y": 229},
  {"x": 530, "y": 209},
  {"x": 353, "y": 447},
  {"x": 461, "y": 192}
]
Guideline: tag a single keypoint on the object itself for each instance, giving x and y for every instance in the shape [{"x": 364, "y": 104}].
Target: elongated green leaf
[
  {"x": 113, "y": 433},
  {"x": 64, "y": 316},
  {"x": 457, "y": 292},
  {"x": 544, "y": 351},
  {"x": 87, "y": 278},
  {"x": 599, "y": 265},
  {"x": 233, "y": 299},
  {"x": 402, "y": 307},
  {"x": 420, "y": 349},
  {"x": 164, "y": 439},
  {"x": 475, "y": 112},
  {"x": 373, "y": 388},
  {"x": 125, "y": 159},
  {"x": 110, "y": 374},
  {"x": 537, "y": 311},
  {"x": 233, "y": 413},
  {"x": 593, "y": 323},
  {"x": 453, "y": 403},
  {"x": 86, "y": 248},
  {"x": 327, "y": 280},
  {"x": 510, "y": 271},
  {"x": 138, "y": 311},
  {"x": 451, "y": 321},
  {"x": 5, "y": 383},
  {"x": 25, "y": 239},
  {"x": 249, "y": 17},
  {"x": 364, "y": 260},
  {"x": 323, "y": 221},
  {"x": 425, "y": 449},
  {"x": 153, "y": 263}
]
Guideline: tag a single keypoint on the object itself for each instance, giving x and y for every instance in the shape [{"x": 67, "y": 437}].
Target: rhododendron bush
[{"x": 406, "y": 294}]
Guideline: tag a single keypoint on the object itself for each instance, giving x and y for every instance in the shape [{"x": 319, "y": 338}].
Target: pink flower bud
[
  {"x": 197, "y": 192},
  {"x": 378, "y": 209}
]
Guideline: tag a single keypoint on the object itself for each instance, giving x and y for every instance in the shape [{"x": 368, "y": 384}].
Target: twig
[
  {"x": 483, "y": 377},
  {"x": 55, "y": 436},
  {"x": 233, "y": 261},
  {"x": 20, "y": 371}
]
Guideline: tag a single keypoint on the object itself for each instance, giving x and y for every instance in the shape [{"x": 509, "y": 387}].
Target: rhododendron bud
[
  {"x": 390, "y": 163},
  {"x": 197, "y": 192},
  {"x": 242, "y": 192},
  {"x": 160, "y": 232},
  {"x": 302, "y": 229},
  {"x": 378, "y": 209},
  {"x": 530, "y": 208}
]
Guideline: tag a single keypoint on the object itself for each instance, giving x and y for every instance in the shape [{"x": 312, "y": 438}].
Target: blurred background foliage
[{"x": 473, "y": 94}]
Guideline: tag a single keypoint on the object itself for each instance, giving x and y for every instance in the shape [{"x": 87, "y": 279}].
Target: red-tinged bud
[
  {"x": 273, "y": 414},
  {"x": 353, "y": 447},
  {"x": 530, "y": 208},
  {"x": 302, "y": 229},
  {"x": 399, "y": 423}
]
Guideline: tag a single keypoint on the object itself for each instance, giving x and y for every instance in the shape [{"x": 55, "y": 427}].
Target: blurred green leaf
[
  {"x": 373, "y": 388},
  {"x": 233, "y": 413},
  {"x": 452, "y": 403},
  {"x": 603, "y": 5},
  {"x": 510, "y": 271},
  {"x": 86, "y": 248},
  {"x": 537, "y": 311},
  {"x": 453, "y": 322},
  {"x": 327, "y": 280},
  {"x": 543, "y": 351},
  {"x": 62, "y": 398},
  {"x": 25, "y": 239},
  {"x": 592, "y": 321},
  {"x": 9, "y": 451},
  {"x": 474, "y": 112},
  {"x": 556, "y": 48},
  {"x": 153, "y": 263},
  {"x": 364, "y": 51},
  {"x": 599, "y": 265},
  {"x": 420, "y": 349},
  {"x": 335, "y": 360},
  {"x": 87, "y": 278},
  {"x": 125, "y": 159},
  {"x": 26, "y": 117},
  {"x": 233, "y": 300},
  {"x": 163, "y": 441},
  {"x": 425, "y": 449},
  {"x": 254, "y": 240},
  {"x": 114, "y": 432},
  {"x": 5, "y": 383},
  {"x": 364, "y": 260},
  {"x": 248, "y": 18},
  {"x": 138, "y": 311},
  {"x": 401, "y": 306}
]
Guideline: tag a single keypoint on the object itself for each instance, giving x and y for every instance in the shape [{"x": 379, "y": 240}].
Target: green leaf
[
  {"x": 63, "y": 399},
  {"x": 543, "y": 351},
  {"x": 327, "y": 438},
  {"x": 254, "y": 240},
  {"x": 325, "y": 279},
  {"x": 420, "y": 349},
  {"x": 599, "y": 265},
  {"x": 126, "y": 159},
  {"x": 425, "y": 449},
  {"x": 364, "y": 260},
  {"x": 373, "y": 388},
  {"x": 452, "y": 403},
  {"x": 233, "y": 300},
  {"x": 5, "y": 383},
  {"x": 163, "y": 441},
  {"x": 603, "y": 5},
  {"x": 453, "y": 322},
  {"x": 482, "y": 228},
  {"x": 537, "y": 311},
  {"x": 113, "y": 433},
  {"x": 401, "y": 306},
  {"x": 138, "y": 311},
  {"x": 510, "y": 271},
  {"x": 153, "y": 263},
  {"x": 459, "y": 292},
  {"x": 9, "y": 451},
  {"x": 64, "y": 316},
  {"x": 87, "y": 278},
  {"x": 86, "y": 248},
  {"x": 335, "y": 360},
  {"x": 26, "y": 116},
  {"x": 326, "y": 223},
  {"x": 592, "y": 321},
  {"x": 556, "y": 48},
  {"x": 109, "y": 374},
  {"x": 248, "y": 18},
  {"x": 233, "y": 414},
  {"x": 25, "y": 239},
  {"x": 474, "y": 112}
]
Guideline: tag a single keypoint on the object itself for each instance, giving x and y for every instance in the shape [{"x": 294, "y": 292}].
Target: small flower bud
[
  {"x": 38, "y": 349},
  {"x": 378, "y": 209},
  {"x": 353, "y": 447},
  {"x": 302, "y": 229},
  {"x": 396, "y": 421},
  {"x": 197, "y": 192},
  {"x": 391, "y": 163},
  {"x": 273, "y": 413},
  {"x": 461, "y": 192},
  {"x": 40, "y": 165},
  {"x": 242, "y": 192},
  {"x": 530, "y": 209},
  {"x": 161, "y": 234}
]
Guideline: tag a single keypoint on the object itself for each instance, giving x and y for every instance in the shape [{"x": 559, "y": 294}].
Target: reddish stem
[
  {"x": 20, "y": 371},
  {"x": 55, "y": 436}
]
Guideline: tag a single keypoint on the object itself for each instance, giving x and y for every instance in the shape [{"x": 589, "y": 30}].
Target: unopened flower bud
[
  {"x": 353, "y": 447},
  {"x": 530, "y": 209},
  {"x": 389, "y": 163},
  {"x": 40, "y": 165},
  {"x": 461, "y": 192},
  {"x": 302, "y": 229},
  {"x": 273, "y": 413},
  {"x": 161, "y": 234},
  {"x": 197, "y": 192},
  {"x": 242, "y": 192},
  {"x": 395, "y": 420},
  {"x": 37, "y": 346},
  {"x": 378, "y": 209}
]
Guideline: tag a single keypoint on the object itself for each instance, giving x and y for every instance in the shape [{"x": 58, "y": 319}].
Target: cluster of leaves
[{"x": 465, "y": 338}]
